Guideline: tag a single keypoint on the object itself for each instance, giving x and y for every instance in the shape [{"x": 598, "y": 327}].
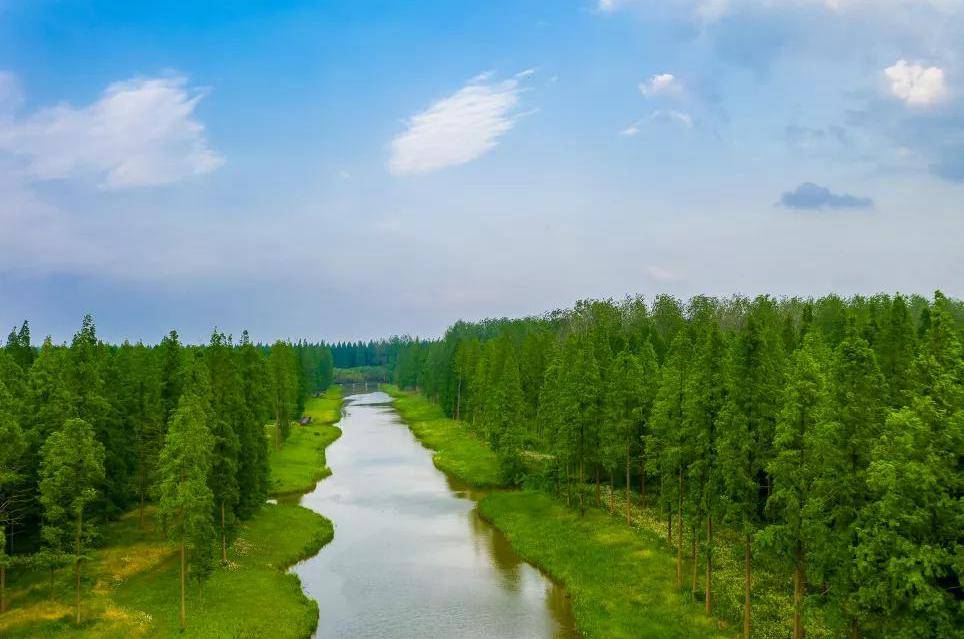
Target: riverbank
[
  {"x": 132, "y": 584},
  {"x": 458, "y": 452},
  {"x": 621, "y": 581}
]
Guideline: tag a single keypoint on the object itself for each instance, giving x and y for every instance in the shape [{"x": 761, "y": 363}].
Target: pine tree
[
  {"x": 185, "y": 501},
  {"x": 798, "y": 503},
  {"x": 253, "y": 469},
  {"x": 705, "y": 399},
  {"x": 71, "y": 471},
  {"x": 669, "y": 437},
  {"x": 12, "y": 447}
]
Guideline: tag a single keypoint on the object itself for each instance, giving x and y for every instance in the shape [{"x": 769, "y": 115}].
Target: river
[{"x": 411, "y": 557}]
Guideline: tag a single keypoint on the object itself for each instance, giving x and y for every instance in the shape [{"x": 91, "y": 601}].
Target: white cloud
[
  {"x": 661, "y": 84},
  {"x": 915, "y": 84},
  {"x": 663, "y": 275},
  {"x": 140, "y": 132},
  {"x": 632, "y": 130},
  {"x": 457, "y": 129},
  {"x": 674, "y": 117}
]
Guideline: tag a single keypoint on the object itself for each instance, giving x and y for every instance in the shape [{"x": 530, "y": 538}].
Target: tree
[
  {"x": 227, "y": 407},
  {"x": 754, "y": 377},
  {"x": 185, "y": 501},
  {"x": 669, "y": 435},
  {"x": 802, "y": 441},
  {"x": 283, "y": 388},
  {"x": 859, "y": 396},
  {"x": 705, "y": 398},
  {"x": 624, "y": 415},
  {"x": 253, "y": 469},
  {"x": 12, "y": 447},
  {"x": 71, "y": 471}
]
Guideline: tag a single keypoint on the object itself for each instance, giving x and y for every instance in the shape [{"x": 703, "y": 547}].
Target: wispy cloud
[
  {"x": 661, "y": 84},
  {"x": 459, "y": 128},
  {"x": 140, "y": 132},
  {"x": 813, "y": 197}
]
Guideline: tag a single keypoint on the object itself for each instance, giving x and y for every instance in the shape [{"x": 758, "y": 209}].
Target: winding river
[{"x": 411, "y": 557}]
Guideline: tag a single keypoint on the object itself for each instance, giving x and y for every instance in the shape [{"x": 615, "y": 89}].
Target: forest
[
  {"x": 823, "y": 437},
  {"x": 808, "y": 449},
  {"x": 90, "y": 431}
]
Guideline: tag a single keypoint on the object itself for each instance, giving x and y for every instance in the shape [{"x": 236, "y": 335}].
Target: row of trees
[
  {"x": 89, "y": 431},
  {"x": 826, "y": 436}
]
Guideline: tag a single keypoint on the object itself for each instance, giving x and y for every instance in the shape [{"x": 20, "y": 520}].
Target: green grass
[
  {"x": 458, "y": 452},
  {"x": 131, "y": 585},
  {"x": 622, "y": 583},
  {"x": 300, "y": 464}
]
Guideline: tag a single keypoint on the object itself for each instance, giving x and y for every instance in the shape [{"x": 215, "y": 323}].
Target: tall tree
[
  {"x": 12, "y": 447},
  {"x": 185, "y": 501},
  {"x": 798, "y": 502},
  {"x": 71, "y": 471}
]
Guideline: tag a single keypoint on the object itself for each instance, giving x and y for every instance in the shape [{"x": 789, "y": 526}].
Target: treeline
[
  {"x": 90, "y": 430},
  {"x": 375, "y": 353},
  {"x": 826, "y": 436}
]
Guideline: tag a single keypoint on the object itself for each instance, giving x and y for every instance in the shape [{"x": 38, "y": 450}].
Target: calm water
[{"x": 411, "y": 557}]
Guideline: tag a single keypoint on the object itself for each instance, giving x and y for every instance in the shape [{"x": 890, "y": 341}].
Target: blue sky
[{"x": 353, "y": 169}]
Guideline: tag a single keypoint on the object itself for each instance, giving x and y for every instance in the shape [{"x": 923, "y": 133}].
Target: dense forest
[
  {"x": 90, "y": 430},
  {"x": 826, "y": 436}
]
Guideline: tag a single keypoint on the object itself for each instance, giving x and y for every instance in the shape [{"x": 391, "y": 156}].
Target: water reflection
[{"x": 411, "y": 556}]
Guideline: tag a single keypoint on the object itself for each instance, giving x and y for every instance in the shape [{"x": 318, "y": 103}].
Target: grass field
[
  {"x": 622, "y": 583},
  {"x": 131, "y": 589},
  {"x": 457, "y": 451}
]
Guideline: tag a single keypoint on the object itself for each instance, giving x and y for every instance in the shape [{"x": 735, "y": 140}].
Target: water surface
[{"x": 411, "y": 557}]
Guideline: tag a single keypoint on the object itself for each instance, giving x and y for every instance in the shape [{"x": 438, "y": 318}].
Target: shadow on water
[{"x": 411, "y": 555}]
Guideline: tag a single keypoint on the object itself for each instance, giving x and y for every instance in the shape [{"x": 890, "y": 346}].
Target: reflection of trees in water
[
  {"x": 559, "y": 607},
  {"x": 498, "y": 549}
]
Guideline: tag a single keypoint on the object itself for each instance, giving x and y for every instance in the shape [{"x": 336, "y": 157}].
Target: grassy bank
[
  {"x": 132, "y": 584},
  {"x": 457, "y": 451},
  {"x": 300, "y": 464},
  {"x": 622, "y": 583}
]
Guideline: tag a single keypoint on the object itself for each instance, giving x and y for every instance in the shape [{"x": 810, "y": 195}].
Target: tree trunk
[
  {"x": 224, "y": 537},
  {"x": 854, "y": 628},
  {"x": 3, "y": 589},
  {"x": 80, "y": 527},
  {"x": 612, "y": 491},
  {"x": 696, "y": 563},
  {"x": 679, "y": 541},
  {"x": 746, "y": 589},
  {"x": 183, "y": 569},
  {"x": 598, "y": 494},
  {"x": 582, "y": 482},
  {"x": 629, "y": 496},
  {"x": 642, "y": 481},
  {"x": 669, "y": 525},
  {"x": 708, "y": 598},
  {"x": 799, "y": 590}
]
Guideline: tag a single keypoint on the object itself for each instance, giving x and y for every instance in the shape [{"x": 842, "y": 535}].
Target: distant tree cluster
[
  {"x": 826, "y": 434},
  {"x": 91, "y": 430}
]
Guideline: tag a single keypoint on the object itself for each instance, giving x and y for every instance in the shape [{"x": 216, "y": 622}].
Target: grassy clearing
[
  {"x": 622, "y": 582},
  {"x": 458, "y": 452},
  {"x": 300, "y": 464},
  {"x": 131, "y": 589}
]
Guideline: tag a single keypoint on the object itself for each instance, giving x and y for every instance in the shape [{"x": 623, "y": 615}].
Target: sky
[{"x": 352, "y": 169}]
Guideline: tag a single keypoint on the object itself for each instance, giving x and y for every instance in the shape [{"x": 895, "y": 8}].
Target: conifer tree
[
  {"x": 253, "y": 480},
  {"x": 71, "y": 471},
  {"x": 12, "y": 447},
  {"x": 185, "y": 501},
  {"x": 669, "y": 436},
  {"x": 798, "y": 503}
]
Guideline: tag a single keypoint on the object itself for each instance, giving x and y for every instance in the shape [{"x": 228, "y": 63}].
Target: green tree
[
  {"x": 71, "y": 471},
  {"x": 12, "y": 447},
  {"x": 253, "y": 469},
  {"x": 798, "y": 503},
  {"x": 185, "y": 501}
]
